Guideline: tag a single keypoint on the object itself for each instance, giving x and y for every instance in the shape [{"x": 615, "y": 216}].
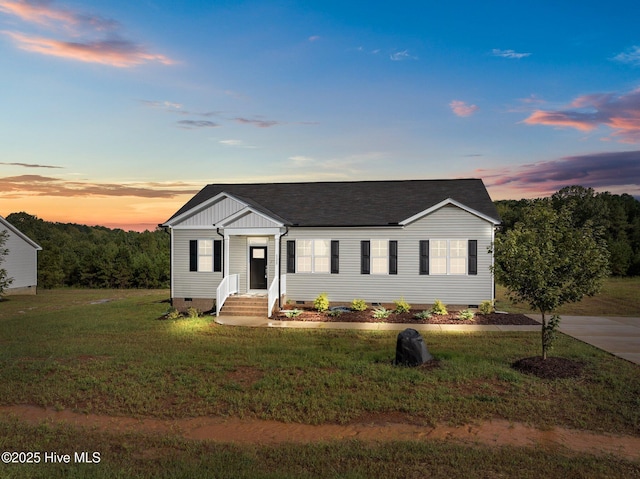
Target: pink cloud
[
  {"x": 107, "y": 49},
  {"x": 621, "y": 113},
  {"x": 611, "y": 171},
  {"x": 117, "y": 53},
  {"x": 460, "y": 108}
]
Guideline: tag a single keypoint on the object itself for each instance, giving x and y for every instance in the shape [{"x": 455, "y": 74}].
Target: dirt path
[{"x": 254, "y": 431}]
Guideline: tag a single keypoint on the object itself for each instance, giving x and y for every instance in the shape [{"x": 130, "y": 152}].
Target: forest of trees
[
  {"x": 99, "y": 257},
  {"x": 617, "y": 218},
  {"x": 95, "y": 256}
]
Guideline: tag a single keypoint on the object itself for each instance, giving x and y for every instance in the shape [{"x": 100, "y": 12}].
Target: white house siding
[
  {"x": 251, "y": 220},
  {"x": 449, "y": 222},
  {"x": 239, "y": 259},
  {"x": 214, "y": 213},
  {"x": 191, "y": 284},
  {"x": 20, "y": 264}
]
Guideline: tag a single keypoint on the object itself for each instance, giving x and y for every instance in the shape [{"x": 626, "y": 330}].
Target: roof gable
[
  {"x": 4, "y": 224},
  {"x": 357, "y": 203}
]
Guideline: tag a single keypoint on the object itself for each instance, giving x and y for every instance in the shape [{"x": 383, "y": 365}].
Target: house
[
  {"x": 21, "y": 263},
  {"x": 374, "y": 240}
]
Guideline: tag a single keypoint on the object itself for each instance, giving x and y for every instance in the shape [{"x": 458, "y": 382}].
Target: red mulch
[{"x": 451, "y": 318}]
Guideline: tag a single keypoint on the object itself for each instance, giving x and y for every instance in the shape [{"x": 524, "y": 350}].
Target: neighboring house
[
  {"x": 21, "y": 263},
  {"x": 380, "y": 241}
]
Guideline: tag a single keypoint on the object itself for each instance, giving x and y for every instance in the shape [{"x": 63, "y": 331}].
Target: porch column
[{"x": 226, "y": 254}]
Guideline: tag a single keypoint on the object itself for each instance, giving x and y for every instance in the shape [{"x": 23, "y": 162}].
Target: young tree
[
  {"x": 5, "y": 281},
  {"x": 547, "y": 261}
]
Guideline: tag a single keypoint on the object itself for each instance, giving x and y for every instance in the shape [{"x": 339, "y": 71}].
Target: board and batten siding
[
  {"x": 214, "y": 213},
  {"x": 449, "y": 222},
  {"x": 191, "y": 284}
]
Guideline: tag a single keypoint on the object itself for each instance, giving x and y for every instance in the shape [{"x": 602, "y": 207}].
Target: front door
[{"x": 258, "y": 267}]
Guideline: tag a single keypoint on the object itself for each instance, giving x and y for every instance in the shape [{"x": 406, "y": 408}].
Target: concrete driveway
[{"x": 616, "y": 335}]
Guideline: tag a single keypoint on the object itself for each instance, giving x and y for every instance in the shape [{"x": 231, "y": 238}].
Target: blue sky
[{"x": 115, "y": 112}]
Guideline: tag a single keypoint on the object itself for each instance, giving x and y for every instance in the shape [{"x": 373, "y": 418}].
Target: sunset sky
[{"x": 116, "y": 112}]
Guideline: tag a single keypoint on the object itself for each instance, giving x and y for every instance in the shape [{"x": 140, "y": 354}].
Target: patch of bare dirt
[
  {"x": 550, "y": 368},
  {"x": 501, "y": 319},
  {"x": 372, "y": 428}
]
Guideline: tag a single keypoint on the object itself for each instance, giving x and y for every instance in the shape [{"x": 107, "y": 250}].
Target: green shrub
[
  {"x": 334, "y": 313},
  {"x": 402, "y": 306},
  {"x": 466, "y": 314},
  {"x": 439, "y": 308},
  {"x": 321, "y": 303},
  {"x": 292, "y": 313},
  {"x": 486, "y": 307},
  {"x": 192, "y": 313},
  {"x": 359, "y": 305},
  {"x": 381, "y": 313},
  {"x": 173, "y": 314},
  {"x": 422, "y": 315}
]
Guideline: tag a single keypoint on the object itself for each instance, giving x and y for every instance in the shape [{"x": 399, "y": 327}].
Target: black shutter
[
  {"x": 473, "y": 256},
  {"x": 365, "y": 254},
  {"x": 291, "y": 256},
  {"x": 217, "y": 255},
  {"x": 424, "y": 256},
  {"x": 193, "y": 255},
  {"x": 335, "y": 257},
  {"x": 393, "y": 257}
]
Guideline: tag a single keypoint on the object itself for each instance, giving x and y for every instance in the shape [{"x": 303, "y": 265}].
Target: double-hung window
[
  {"x": 448, "y": 257},
  {"x": 205, "y": 255},
  {"x": 379, "y": 257},
  {"x": 314, "y": 256}
]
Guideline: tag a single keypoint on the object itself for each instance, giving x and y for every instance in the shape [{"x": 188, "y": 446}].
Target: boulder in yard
[{"x": 411, "y": 349}]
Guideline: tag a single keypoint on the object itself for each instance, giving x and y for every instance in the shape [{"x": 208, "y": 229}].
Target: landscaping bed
[{"x": 366, "y": 316}]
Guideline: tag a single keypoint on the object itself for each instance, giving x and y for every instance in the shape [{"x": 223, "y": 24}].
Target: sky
[{"x": 117, "y": 112}]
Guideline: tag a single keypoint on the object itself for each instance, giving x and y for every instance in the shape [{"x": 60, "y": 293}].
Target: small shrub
[
  {"x": 173, "y": 314},
  {"x": 292, "y": 313},
  {"x": 381, "y": 313},
  {"x": 192, "y": 313},
  {"x": 439, "y": 308},
  {"x": 422, "y": 315},
  {"x": 321, "y": 303},
  {"x": 359, "y": 305},
  {"x": 334, "y": 313},
  {"x": 486, "y": 307},
  {"x": 402, "y": 306},
  {"x": 466, "y": 314}
]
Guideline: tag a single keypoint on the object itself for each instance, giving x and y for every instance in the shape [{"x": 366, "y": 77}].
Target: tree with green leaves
[
  {"x": 545, "y": 260},
  {"x": 5, "y": 281}
]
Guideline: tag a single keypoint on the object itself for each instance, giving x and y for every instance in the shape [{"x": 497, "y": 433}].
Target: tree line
[
  {"x": 615, "y": 218},
  {"x": 99, "y": 257},
  {"x": 95, "y": 256}
]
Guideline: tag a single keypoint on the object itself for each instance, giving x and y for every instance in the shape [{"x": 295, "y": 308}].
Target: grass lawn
[
  {"x": 619, "y": 297},
  {"x": 105, "y": 352}
]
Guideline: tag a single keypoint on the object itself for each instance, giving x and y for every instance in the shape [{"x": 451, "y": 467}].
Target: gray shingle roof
[{"x": 351, "y": 203}]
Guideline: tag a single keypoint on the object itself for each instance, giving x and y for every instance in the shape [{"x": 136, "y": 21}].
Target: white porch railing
[
  {"x": 229, "y": 285},
  {"x": 273, "y": 292}
]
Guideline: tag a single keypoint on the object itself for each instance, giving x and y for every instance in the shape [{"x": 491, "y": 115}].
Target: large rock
[{"x": 411, "y": 349}]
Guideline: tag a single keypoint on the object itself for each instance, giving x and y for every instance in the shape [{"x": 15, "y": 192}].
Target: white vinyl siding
[
  {"x": 21, "y": 262},
  {"x": 192, "y": 284},
  {"x": 447, "y": 224}
]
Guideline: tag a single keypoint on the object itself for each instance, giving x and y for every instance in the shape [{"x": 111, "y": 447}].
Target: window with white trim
[
  {"x": 205, "y": 255},
  {"x": 448, "y": 257},
  {"x": 379, "y": 257},
  {"x": 313, "y": 256}
]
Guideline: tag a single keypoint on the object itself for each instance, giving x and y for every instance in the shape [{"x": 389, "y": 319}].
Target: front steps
[{"x": 252, "y": 306}]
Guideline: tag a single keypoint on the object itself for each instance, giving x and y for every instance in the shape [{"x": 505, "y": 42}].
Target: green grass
[
  {"x": 68, "y": 349},
  {"x": 619, "y": 297},
  {"x": 147, "y": 456}
]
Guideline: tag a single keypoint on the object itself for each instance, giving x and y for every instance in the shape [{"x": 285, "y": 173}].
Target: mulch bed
[
  {"x": 501, "y": 319},
  {"x": 550, "y": 368}
]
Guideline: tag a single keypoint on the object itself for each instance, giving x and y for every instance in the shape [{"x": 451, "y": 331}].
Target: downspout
[
  {"x": 222, "y": 252},
  {"x": 280, "y": 268}
]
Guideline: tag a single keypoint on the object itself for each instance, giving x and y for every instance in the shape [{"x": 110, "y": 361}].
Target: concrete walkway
[{"x": 618, "y": 336}]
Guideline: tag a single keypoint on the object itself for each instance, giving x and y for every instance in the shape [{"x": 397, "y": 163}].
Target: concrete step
[{"x": 244, "y": 306}]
